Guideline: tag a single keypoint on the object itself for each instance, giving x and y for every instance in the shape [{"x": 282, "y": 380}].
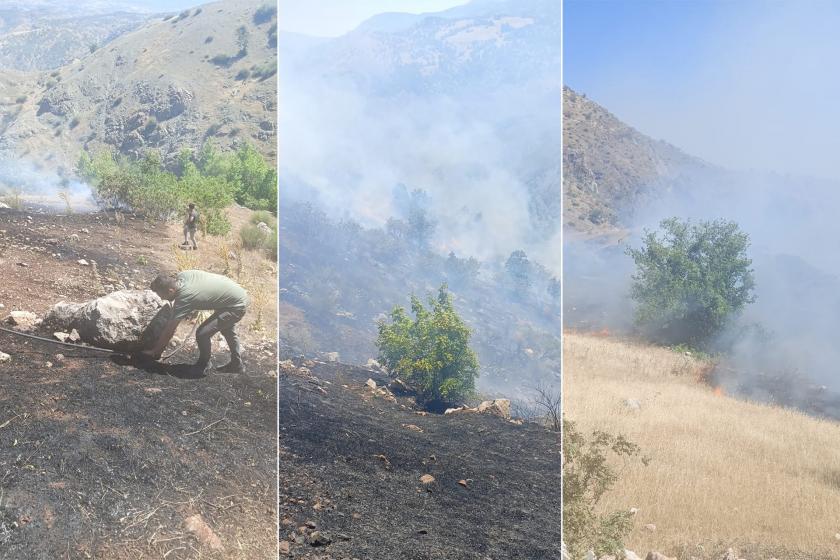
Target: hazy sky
[
  {"x": 330, "y": 18},
  {"x": 748, "y": 84}
]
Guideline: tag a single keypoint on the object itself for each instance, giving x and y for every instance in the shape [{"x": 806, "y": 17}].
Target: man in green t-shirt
[{"x": 196, "y": 290}]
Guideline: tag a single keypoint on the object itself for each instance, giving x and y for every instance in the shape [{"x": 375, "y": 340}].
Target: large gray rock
[{"x": 127, "y": 320}]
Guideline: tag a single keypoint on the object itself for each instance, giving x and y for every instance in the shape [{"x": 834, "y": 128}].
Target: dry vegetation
[{"x": 722, "y": 473}]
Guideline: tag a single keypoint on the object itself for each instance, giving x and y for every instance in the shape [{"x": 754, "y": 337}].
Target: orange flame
[{"x": 718, "y": 392}]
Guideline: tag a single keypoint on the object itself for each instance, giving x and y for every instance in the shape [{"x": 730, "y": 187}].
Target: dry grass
[{"x": 721, "y": 470}]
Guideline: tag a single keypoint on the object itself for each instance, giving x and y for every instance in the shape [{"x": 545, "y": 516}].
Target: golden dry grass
[{"x": 721, "y": 469}]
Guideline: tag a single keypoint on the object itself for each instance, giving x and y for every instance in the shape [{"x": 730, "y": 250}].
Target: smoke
[
  {"x": 43, "y": 187},
  {"x": 782, "y": 347}
]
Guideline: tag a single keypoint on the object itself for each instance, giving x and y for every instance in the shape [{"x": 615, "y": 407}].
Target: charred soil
[{"x": 351, "y": 463}]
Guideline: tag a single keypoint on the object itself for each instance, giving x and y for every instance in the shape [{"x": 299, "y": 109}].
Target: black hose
[{"x": 53, "y": 341}]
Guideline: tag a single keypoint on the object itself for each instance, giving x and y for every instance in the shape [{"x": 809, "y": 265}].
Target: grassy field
[{"x": 723, "y": 472}]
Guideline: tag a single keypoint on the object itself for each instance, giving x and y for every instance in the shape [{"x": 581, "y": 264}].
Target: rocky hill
[
  {"x": 175, "y": 82},
  {"x": 609, "y": 168},
  {"x": 47, "y": 37}
]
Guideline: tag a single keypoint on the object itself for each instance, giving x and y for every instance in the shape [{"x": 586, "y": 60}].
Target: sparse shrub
[
  {"x": 51, "y": 84},
  {"x": 264, "y": 216},
  {"x": 93, "y": 47},
  {"x": 690, "y": 282},
  {"x": 270, "y": 247},
  {"x": 21, "y": 99},
  {"x": 208, "y": 40},
  {"x": 242, "y": 41},
  {"x": 222, "y": 60},
  {"x": 263, "y": 71},
  {"x": 265, "y": 13},
  {"x": 213, "y": 129},
  {"x": 518, "y": 268},
  {"x": 197, "y": 11},
  {"x": 243, "y": 74},
  {"x": 142, "y": 260},
  {"x": 54, "y": 74},
  {"x": 431, "y": 351},
  {"x": 116, "y": 102},
  {"x": 150, "y": 127},
  {"x": 272, "y": 36},
  {"x": 74, "y": 122},
  {"x": 66, "y": 198},
  {"x": 587, "y": 475},
  {"x": 253, "y": 237}
]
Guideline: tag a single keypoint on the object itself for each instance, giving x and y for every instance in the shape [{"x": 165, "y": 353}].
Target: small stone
[
  {"x": 4, "y": 357},
  {"x": 729, "y": 555},
  {"x": 285, "y": 547},
  {"x": 74, "y": 336},
  {"x": 650, "y": 527},
  {"x": 630, "y": 555},
  {"x": 61, "y": 336},
  {"x": 653, "y": 555},
  {"x": 83, "y": 262},
  {"x": 632, "y": 404},
  {"x": 837, "y": 536},
  {"x": 317, "y": 538},
  {"x": 59, "y": 358},
  {"x": 48, "y": 364},
  {"x": 310, "y": 524},
  {"x": 371, "y": 383},
  {"x": 427, "y": 479},
  {"x": 634, "y": 511},
  {"x": 463, "y": 483}
]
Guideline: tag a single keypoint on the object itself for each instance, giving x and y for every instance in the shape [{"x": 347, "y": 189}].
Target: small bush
[
  {"x": 213, "y": 129},
  {"x": 93, "y": 47},
  {"x": 198, "y": 11},
  {"x": 208, "y": 40},
  {"x": 431, "y": 351},
  {"x": 265, "y": 13},
  {"x": 270, "y": 247},
  {"x": 587, "y": 475},
  {"x": 253, "y": 238},
  {"x": 151, "y": 125},
  {"x": 223, "y": 60},
  {"x": 264, "y": 71},
  {"x": 21, "y": 99},
  {"x": 116, "y": 102},
  {"x": 264, "y": 216},
  {"x": 74, "y": 123},
  {"x": 243, "y": 74}
]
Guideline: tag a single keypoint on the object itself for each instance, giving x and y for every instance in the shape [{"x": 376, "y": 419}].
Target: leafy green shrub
[
  {"x": 587, "y": 475},
  {"x": 255, "y": 179},
  {"x": 265, "y": 13},
  {"x": 431, "y": 351},
  {"x": 242, "y": 41},
  {"x": 691, "y": 281},
  {"x": 270, "y": 247},
  {"x": 263, "y": 71}
]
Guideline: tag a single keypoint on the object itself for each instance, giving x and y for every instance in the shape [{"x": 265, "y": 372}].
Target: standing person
[
  {"x": 197, "y": 290},
  {"x": 190, "y": 225}
]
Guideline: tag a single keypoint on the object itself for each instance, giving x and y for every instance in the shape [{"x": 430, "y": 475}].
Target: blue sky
[
  {"x": 747, "y": 84},
  {"x": 330, "y": 18}
]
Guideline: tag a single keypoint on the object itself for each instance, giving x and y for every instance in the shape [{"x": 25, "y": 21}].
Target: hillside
[
  {"x": 170, "y": 84},
  {"x": 46, "y": 37},
  {"x": 723, "y": 472},
  {"x": 350, "y": 468},
  {"x": 104, "y": 457},
  {"x": 610, "y": 168}
]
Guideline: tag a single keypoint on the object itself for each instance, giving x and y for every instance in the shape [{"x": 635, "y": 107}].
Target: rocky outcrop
[{"x": 127, "y": 320}]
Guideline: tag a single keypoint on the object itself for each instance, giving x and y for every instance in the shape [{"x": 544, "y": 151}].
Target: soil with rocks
[
  {"x": 351, "y": 463},
  {"x": 101, "y": 457}
]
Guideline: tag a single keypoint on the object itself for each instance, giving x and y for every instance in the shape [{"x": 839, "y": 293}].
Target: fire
[{"x": 718, "y": 392}]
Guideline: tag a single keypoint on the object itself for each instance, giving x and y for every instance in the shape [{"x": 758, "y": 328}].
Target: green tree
[
  {"x": 519, "y": 269},
  {"x": 431, "y": 352},
  {"x": 692, "y": 280},
  {"x": 242, "y": 40}
]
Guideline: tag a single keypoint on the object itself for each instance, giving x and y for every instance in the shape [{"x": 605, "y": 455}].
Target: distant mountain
[
  {"x": 609, "y": 168},
  {"x": 44, "y": 38},
  {"x": 463, "y": 103},
  {"x": 174, "y": 82}
]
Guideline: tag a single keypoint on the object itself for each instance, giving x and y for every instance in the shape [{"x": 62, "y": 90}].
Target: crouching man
[{"x": 196, "y": 290}]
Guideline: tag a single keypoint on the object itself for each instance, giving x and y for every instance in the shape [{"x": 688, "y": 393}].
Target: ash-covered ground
[{"x": 351, "y": 463}]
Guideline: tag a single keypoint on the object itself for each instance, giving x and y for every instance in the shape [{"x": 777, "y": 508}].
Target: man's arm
[{"x": 164, "y": 338}]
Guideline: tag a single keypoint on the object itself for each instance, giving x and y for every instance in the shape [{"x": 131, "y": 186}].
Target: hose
[{"x": 53, "y": 341}]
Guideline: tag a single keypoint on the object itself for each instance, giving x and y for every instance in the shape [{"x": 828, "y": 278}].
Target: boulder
[
  {"x": 499, "y": 407},
  {"x": 653, "y": 555},
  {"x": 630, "y": 555},
  {"x": 332, "y": 356},
  {"x": 127, "y": 320},
  {"x": 4, "y": 357},
  {"x": 23, "y": 320}
]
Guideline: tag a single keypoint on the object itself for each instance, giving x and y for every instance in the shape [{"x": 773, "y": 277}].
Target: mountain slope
[
  {"x": 155, "y": 88},
  {"x": 609, "y": 167}
]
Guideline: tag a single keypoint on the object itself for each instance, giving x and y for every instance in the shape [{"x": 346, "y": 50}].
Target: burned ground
[
  {"x": 100, "y": 458},
  {"x": 350, "y": 467}
]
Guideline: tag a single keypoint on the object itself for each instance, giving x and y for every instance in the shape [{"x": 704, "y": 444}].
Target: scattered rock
[
  {"x": 59, "y": 358},
  {"x": 463, "y": 483},
  {"x": 24, "y": 320},
  {"x": 399, "y": 386},
  {"x": 203, "y": 532},
  {"x": 285, "y": 547},
  {"x": 653, "y": 555},
  {"x": 371, "y": 383},
  {"x": 499, "y": 407},
  {"x": 4, "y": 206},
  {"x": 61, "y": 336},
  {"x": 317, "y": 538},
  {"x": 73, "y": 237},
  {"x": 372, "y": 364},
  {"x": 729, "y": 555},
  {"x": 74, "y": 336},
  {"x": 332, "y": 356},
  {"x": 83, "y": 262},
  {"x": 650, "y": 527},
  {"x": 413, "y": 427},
  {"x": 630, "y": 555},
  {"x": 427, "y": 479},
  {"x": 458, "y": 410},
  {"x": 634, "y": 511},
  {"x": 632, "y": 404},
  {"x": 4, "y": 357}
]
